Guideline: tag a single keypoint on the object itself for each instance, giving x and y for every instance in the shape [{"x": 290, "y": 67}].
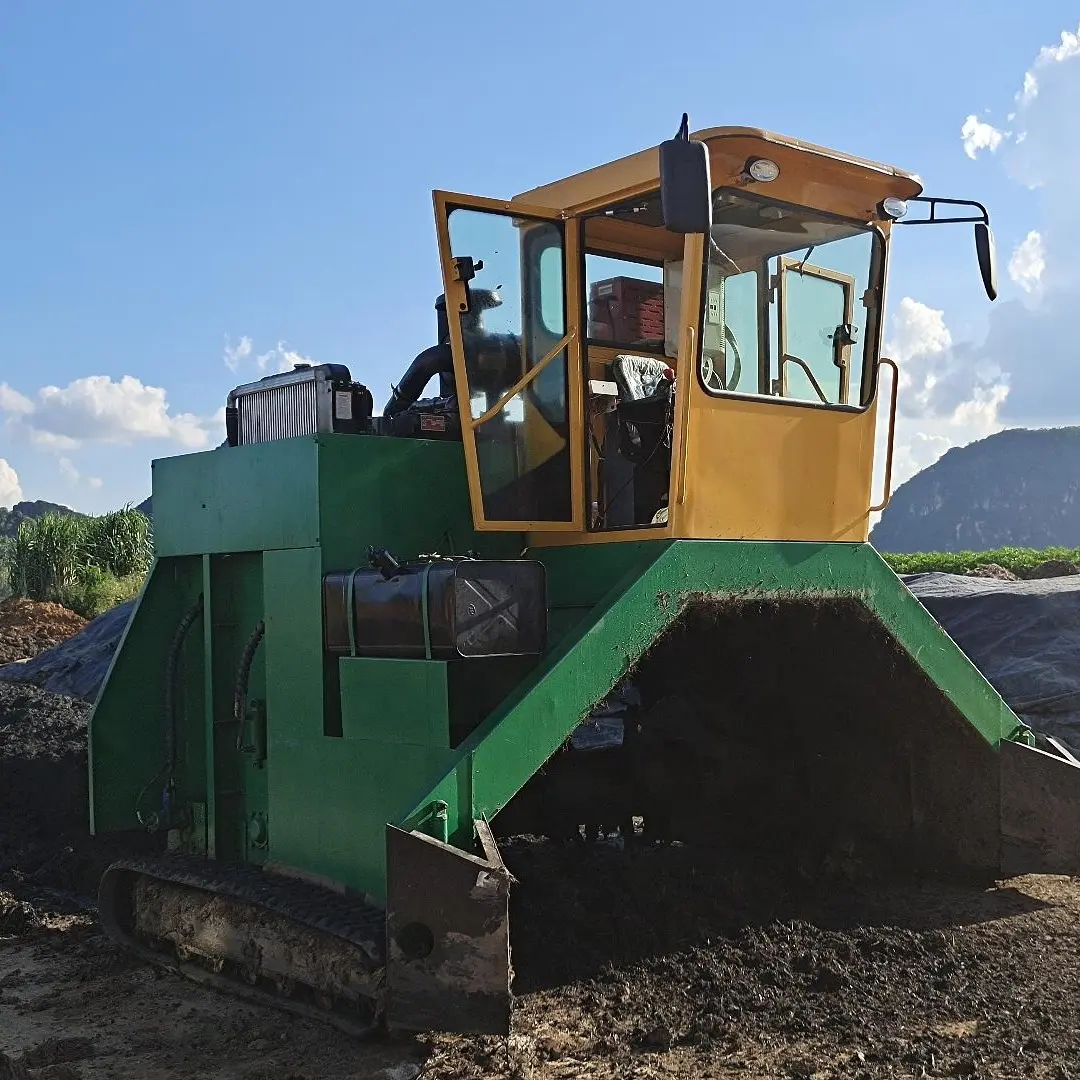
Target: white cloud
[
  {"x": 979, "y": 135},
  {"x": 915, "y": 451},
  {"x": 1030, "y": 348},
  {"x": 49, "y": 440},
  {"x": 939, "y": 381},
  {"x": 948, "y": 395},
  {"x": 70, "y": 473},
  {"x": 99, "y": 409},
  {"x": 11, "y": 401},
  {"x": 235, "y": 354},
  {"x": 281, "y": 358},
  {"x": 1028, "y": 261},
  {"x": 10, "y": 489},
  {"x": 276, "y": 359}
]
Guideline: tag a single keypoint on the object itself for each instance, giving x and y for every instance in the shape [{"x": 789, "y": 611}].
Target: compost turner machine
[{"x": 611, "y": 576}]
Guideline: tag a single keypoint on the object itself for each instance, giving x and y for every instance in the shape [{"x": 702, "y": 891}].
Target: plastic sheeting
[
  {"x": 1024, "y": 636},
  {"x": 79, "y": 665}
]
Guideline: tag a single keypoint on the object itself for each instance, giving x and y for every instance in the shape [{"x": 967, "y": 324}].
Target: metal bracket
[{"x": 447, "y": 935}]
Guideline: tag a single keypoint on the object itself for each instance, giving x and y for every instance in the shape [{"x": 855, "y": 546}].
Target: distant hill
[
  {"x": 1018, "y": 488},
  {"x": 10, "y": 520}
]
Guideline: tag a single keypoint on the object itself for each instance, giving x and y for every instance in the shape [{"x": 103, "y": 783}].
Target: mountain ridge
[{"x": 1017, "y": 488}]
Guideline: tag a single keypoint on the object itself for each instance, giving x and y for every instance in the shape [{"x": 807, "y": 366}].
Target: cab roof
[{"x": 639, "y": 172}]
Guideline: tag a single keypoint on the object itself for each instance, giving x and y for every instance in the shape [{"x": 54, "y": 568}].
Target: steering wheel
[{"x": 711, "y": 377}]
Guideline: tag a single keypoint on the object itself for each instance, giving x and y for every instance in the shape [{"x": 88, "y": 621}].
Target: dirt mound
[
  {"x": 653, "y": 969},
  {"x": 1053, "y": 568},
  {"x": 992, "y": 570},
  {"x": 28, "y": 627},
  {"x": 78, "y": 665},
  {"x": 44, "y": 817}
]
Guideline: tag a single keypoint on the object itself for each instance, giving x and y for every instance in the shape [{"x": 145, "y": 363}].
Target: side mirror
[
  {"x": 685, "y": 183},
  {"x": 984, "y": 249}
]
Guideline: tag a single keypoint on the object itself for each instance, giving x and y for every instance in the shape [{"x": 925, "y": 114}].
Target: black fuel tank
[{"x": 475, "y": 608}]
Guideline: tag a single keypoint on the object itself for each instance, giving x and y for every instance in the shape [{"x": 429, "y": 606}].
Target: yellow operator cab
[{"x": 634, "y": 376}]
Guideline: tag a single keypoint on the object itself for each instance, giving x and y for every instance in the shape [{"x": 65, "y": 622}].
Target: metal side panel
[
  {"x": 656, "y": 588},
  {"x": 448, "y": 936},
  {"x": 1040, "y": 812}
]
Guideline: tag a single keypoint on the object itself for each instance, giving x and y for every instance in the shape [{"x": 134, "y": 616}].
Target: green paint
[
  {"x": 353, "y": 743},
  {"x": 500, "y": 757},
  {"x": 395, "y": 701}
]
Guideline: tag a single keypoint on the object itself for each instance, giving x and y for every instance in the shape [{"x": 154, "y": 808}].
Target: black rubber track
[{"x": 346, "y": 917}]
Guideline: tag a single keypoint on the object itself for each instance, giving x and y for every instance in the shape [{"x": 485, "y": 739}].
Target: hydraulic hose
[
  {"x": 243, "y": 674},
  {"x": 172, "y": 664}
]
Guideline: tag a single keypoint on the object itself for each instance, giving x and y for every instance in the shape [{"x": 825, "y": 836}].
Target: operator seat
[
  {"x": 644, "y": 424},
  {"x": 645, "y": 392}
]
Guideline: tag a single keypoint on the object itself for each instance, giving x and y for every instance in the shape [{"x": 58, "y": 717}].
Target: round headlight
[
  {"x": 763, "y": 170},
  {"x": 894, "y": 207}
]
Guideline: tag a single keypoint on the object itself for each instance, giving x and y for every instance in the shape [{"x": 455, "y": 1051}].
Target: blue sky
[{"x": 177, "y": 178}]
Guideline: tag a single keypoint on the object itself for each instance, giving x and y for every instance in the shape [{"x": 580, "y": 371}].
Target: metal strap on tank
[
  {"x": 424, "y": 610},
  {"x": 352, "y": 611}
]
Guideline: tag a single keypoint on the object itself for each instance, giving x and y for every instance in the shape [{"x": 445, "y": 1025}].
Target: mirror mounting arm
[
  {"x": 934, "y": 202},
  {"x": 984, "y": 238}
]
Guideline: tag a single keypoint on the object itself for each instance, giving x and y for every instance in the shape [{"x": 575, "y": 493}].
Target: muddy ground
[{"x": 627, "y": 966}]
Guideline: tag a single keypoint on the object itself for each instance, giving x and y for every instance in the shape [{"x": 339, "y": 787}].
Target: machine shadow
[{"x": 791, "y": 762}]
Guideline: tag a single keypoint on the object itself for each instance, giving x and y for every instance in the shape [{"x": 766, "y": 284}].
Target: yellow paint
[
  {"x": 729, "y": 147},
  {"x": 742, "y": 467},
  {"x": 761, "y": 470}
]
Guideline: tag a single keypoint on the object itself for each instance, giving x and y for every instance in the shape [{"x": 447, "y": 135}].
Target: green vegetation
[
  {"x": 88, "y": 564},
  {"x": 1019, "y": 560}
]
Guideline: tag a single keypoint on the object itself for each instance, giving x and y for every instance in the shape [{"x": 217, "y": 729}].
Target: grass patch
[
  {"x": 88, "y": 564},
  {"x": 1019, "y": 560}
]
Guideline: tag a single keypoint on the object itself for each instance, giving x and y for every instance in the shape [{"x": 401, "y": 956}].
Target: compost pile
[
  {"x": 44, "y": 840},
  {"x": 29, "y": 627},
  {"x": 651, "y": 966},
  {"x": 633, "y": 964}
]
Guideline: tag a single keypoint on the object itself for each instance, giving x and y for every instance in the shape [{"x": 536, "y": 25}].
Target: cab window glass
[{"x": 809, "y": 278}]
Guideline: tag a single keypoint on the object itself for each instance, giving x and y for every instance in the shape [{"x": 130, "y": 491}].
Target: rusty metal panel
[{"x": 448, "y": 936}]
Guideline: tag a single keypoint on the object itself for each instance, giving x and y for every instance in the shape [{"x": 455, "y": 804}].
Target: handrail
[
  {"x": 523, "y": 381},
  {"x": 892, "y": 435}
]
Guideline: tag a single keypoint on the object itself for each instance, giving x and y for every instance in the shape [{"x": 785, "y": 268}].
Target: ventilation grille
[{"x": 279, "y": 412}]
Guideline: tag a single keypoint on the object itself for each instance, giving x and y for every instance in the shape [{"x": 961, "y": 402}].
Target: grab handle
[{"x": 892, "y": 435}]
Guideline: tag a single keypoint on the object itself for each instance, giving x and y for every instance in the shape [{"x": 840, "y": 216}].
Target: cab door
[{"x": 513, "y": 318}]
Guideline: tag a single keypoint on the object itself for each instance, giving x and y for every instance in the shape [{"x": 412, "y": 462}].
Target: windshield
[{"x": 790, "y": 303}]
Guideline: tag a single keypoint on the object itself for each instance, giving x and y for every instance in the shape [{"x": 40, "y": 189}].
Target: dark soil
[
  {"x": 28, "y": 627},
  {"x": 1053, "y": 568},
  {"x": 642, "y": 963},
  {"x": 649, "y": 967},
  {"x": 44, "y": 809}
]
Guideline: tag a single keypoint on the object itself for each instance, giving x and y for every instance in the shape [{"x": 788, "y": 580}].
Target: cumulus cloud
[
  {"x": 234, "y": 355},
  {"x": 1028, "y": 262},
  {"x": 10, "y": 489},
  {"x": 940, "y": 380},
  {"x": 11, "y": 401},
  {"x": 70, "y": 472},
  {"x": 281, "y": 358},
  {"x": 979, "y": 135},
  {"x": 1023, "y": 371},
  {"x": 1034, "y": 338},
  {"x": 99, "y": 409}
]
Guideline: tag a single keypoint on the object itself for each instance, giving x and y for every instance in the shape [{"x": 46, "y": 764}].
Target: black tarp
[{"x": 1024, "y": 636}]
